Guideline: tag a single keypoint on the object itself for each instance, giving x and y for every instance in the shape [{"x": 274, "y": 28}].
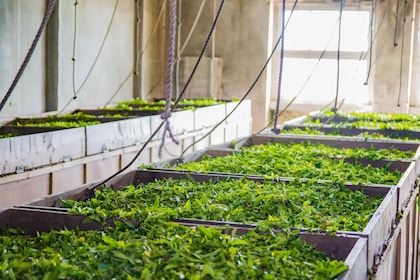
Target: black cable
[
  {"x": 380, "y": 24},
  {"x": 48, "y": 12}
]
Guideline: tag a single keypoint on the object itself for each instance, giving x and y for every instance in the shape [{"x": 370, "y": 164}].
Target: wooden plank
[
  {"x": 115, "y": 135},
  {"x": 102, "y": 168},
  {"x": 144, "y": 158},
  {"x": 36, "y": 150},
  {"x": 24, "y": 191},
  {"x": 339, "y": 142},
  {"x": 244, "y": 128},
  {"x": 67, "y": 179},
  {"x": 45, "y": 220},
  {"x": 207, "y": 117},
  {"x": 400, "y": 258},
  {"x": 351, "y": 249}
]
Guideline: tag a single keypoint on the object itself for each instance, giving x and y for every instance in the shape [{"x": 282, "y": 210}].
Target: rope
[
  {"x": 76, "y": 92},
  {"x": 275, "y": 129},
  {"x": 396, "y": 23},
  {"x": 180, "y": 159},
  {"x": 48, "y": 12},
  {"x": 173, "y": 107},
  {"x": 169, "y": 75},
  {"x": 338, "y": 56},
  {"x": 321, "y": 56}
]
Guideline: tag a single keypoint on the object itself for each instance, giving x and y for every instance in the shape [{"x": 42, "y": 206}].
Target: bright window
[{"x": 310, "y": 34}]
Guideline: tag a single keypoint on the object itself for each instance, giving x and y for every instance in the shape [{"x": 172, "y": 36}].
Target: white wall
[
  {"x": 19, "y": 22},
  {"x": 115, "y": 61}
]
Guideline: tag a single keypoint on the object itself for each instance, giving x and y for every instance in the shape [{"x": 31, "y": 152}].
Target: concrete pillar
[
  {"x": 51, "y": 61},
  {"x": 153, "y": 46},
  {"x": 415, "y": 90},
  {"x": 241, "y": 41},
  {"x": 391, "y": 56}
]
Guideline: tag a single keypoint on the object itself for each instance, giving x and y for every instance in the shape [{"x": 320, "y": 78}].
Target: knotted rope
[{"x": 275, "y": 129}]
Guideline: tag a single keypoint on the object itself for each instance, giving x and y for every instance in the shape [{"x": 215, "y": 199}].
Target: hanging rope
[
  {"x": 180, "y": 159},
  {"x": 396, "y": 23},
  {"x": 275, "y": 129},
  {"x": 169, "y": 75},
  {"x": 77, "y": 91},
  {"x": 48, "y": 12},
  {"x": 338, "y": 56},
  {"x": 321, "y": 56}
]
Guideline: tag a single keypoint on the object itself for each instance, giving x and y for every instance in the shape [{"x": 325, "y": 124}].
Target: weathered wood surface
[
  {"x": 110, "y": 136},
  {"x": 400, "y": 259},
  {"x": 26, "y": 152}
]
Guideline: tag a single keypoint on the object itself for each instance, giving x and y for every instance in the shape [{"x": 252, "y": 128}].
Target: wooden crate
[
  {"x": 347, "y": 131},
  {"x": 400, "y": 259},
  {"x": 409, "y": 168},
  {"x": 348, "y": 248},
  {"x": 43, "y": 147},
  {"x": 351, "y": 132},
  {"x": 376, "y": 231}
]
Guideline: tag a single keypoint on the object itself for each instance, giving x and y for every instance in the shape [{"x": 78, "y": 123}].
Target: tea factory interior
[{"x": 152, "y": 107}]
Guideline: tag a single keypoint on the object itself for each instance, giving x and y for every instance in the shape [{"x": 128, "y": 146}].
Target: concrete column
[
  {"x": 153, "y": 61},
  {"x": 51, "y": 61},
  {"x": 242, "y": 43},
  {"x": 415, "y": 90},
  {"x": 391, "y": 56}
]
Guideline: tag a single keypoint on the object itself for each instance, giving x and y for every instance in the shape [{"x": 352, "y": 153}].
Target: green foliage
[
  {"x": 162, "y": 251},
  {"x": 394, "y": 126},
  {"x": 7, "y": 135},
  {"x": 310, "y": 204},
  {"x": 144, "y": 105},
  {"x": 304, "y": 160},
  {"x": 78, "y": 119}
]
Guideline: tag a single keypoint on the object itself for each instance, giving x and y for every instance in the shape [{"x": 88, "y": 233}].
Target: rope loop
[{"x": 165, "y": 115}]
